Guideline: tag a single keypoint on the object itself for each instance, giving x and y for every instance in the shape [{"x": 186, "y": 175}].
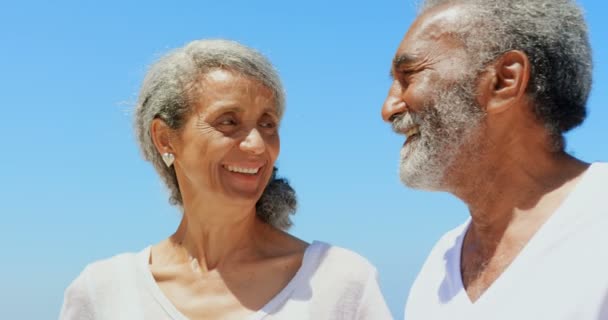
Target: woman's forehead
[
  {"x": 224, "y": 88},
  {"x": 232, "y": 81}
]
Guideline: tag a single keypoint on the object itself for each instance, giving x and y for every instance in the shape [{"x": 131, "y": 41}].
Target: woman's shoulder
[
  {"x": 98, "y": 284},
  {"x": 342, "y": 263},
  {"x": 116, "y": 263},
  {"x": 110, "y": 271},
  {"x": 344, "y": 278}
]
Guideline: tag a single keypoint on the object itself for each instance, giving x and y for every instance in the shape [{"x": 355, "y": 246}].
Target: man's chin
[{"x": 421, "y": 179}]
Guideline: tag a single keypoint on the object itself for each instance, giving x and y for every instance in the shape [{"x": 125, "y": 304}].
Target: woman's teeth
[{"x": 243, "y": 170}]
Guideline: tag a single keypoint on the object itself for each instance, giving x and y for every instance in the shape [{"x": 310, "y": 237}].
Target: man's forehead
[{"x": 436, "y": 24}]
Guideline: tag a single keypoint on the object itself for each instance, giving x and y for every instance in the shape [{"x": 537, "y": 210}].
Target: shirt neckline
[
  {"x": 554, "y": 219},
  {"x": 310, "y": 261}
]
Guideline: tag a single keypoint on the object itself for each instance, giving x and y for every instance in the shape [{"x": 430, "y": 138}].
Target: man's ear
[
  {"x": 505, "y": 82},
  {"x": 162, "y": 136}
]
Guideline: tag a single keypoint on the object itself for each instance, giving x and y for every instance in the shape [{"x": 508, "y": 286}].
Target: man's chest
[{"x": 564, "y": 282}]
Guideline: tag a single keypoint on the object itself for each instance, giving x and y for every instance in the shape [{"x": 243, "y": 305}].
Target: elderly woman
[{"x": 208, "y": 118}]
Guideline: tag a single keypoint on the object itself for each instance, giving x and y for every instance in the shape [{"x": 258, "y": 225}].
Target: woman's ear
[
  {"x": 504, "y": 83},
  {"x": 162, "y": 135}
]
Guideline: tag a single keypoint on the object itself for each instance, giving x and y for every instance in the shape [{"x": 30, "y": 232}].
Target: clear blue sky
[{"x": 75, "y": 189}]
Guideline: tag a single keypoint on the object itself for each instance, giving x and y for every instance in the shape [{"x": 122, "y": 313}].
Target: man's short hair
[{"x": 552, "y": 33}]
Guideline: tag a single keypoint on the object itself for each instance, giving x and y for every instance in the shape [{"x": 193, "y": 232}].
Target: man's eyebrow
[{"x": 401, "y": 60}]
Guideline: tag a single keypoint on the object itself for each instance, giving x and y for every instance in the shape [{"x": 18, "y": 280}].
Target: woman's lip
[
  {"x": 242, "y": 166},
  {"x": 244, "y": 169},
  {"x": 245, "y": 161}
]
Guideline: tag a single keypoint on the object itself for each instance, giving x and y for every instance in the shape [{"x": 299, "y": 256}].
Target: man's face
[{"x": 432, "y": 101}]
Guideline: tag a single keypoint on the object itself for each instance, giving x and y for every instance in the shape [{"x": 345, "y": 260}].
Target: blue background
[{"x": 75, "y": 189}]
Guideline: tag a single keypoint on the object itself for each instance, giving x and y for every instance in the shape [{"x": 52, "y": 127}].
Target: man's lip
[
  {"x": 410, "y": 131},
  {"x": 410, "y": 139}
]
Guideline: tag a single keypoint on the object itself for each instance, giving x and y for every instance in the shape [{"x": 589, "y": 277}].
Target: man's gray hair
[
  {"x": 169, "y": 92},
  {"x": 553, "y": 34}
]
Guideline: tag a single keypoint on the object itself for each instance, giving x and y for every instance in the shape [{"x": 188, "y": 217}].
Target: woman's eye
[
  {"x": 268, "y": 125},
  {"x": 227, "y": 121}
]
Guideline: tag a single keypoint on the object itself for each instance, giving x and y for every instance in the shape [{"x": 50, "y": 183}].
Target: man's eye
[
  {"x": 405, "y": 77},
  {"x": 405, "y": 74}
]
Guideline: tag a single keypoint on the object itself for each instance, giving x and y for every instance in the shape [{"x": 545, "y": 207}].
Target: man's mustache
[{"x": 402, "y": 122}]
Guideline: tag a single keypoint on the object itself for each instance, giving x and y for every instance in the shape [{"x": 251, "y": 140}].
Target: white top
[
  {"x": 332, "y": 283},
  {"x": 562, "y": 273}
]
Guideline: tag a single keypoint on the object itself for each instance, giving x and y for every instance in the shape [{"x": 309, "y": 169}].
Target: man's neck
[
  {"x": 519, "y": 189},
  {"x": 508, "y": 204}
]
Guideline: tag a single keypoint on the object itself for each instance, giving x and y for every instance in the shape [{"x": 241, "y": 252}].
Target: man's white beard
[{"x": 448, "y": 128}]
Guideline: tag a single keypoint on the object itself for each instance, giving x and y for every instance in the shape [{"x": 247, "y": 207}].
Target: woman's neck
[{"x": 215, "y": 234}]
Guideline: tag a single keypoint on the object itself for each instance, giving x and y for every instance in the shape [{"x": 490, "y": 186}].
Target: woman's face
[{"x": 230, "y": 142}]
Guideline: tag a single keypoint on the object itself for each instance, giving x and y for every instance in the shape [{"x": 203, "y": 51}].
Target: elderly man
[{"x": 484, "y": 91}]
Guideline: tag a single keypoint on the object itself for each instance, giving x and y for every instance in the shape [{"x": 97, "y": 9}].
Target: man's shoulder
[
  {"x": 597, "y": 175},
  {"x": 438, "y": 279},
  {"x": 597, "y": 169},
  {"x": 592, "y": 190},
  {"x": 444, "y": 254},
  {"x": 601, "y": 166},
  {"x": 450, "y": 238}
]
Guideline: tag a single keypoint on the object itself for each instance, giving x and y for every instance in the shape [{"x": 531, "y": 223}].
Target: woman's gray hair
[
  {"x": 553, "y": 34},
  {"x": 169, "y": 91}
]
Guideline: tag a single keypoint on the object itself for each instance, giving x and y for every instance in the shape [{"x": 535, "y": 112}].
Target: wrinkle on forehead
[
  {"x": 435, "y": 36},
  {"x": 228, "y": 85},
  {"x": 410, "y": 61},
  {"x": 440, "y": 23}
]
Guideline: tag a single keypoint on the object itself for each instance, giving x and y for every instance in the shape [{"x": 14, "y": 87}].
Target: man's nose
[
  {"x": 253, "y": 142},
  {"x": 394, "y": 104}
]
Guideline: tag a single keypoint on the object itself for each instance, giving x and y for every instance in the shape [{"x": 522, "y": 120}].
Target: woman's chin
[{"x": 244, "y": 186}]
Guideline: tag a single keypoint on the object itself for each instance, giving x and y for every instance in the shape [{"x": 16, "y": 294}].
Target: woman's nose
[{"x": 253, "y": 142}]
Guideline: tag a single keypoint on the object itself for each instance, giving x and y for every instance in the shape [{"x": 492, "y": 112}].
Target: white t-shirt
[
  {"x": 562, "y": 273},
  {"x": 332, "y": 283}
]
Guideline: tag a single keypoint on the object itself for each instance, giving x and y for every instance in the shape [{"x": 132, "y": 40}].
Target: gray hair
[
  {"x": 168, "y": 93},
  {"x": 553, "y": 34}
]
